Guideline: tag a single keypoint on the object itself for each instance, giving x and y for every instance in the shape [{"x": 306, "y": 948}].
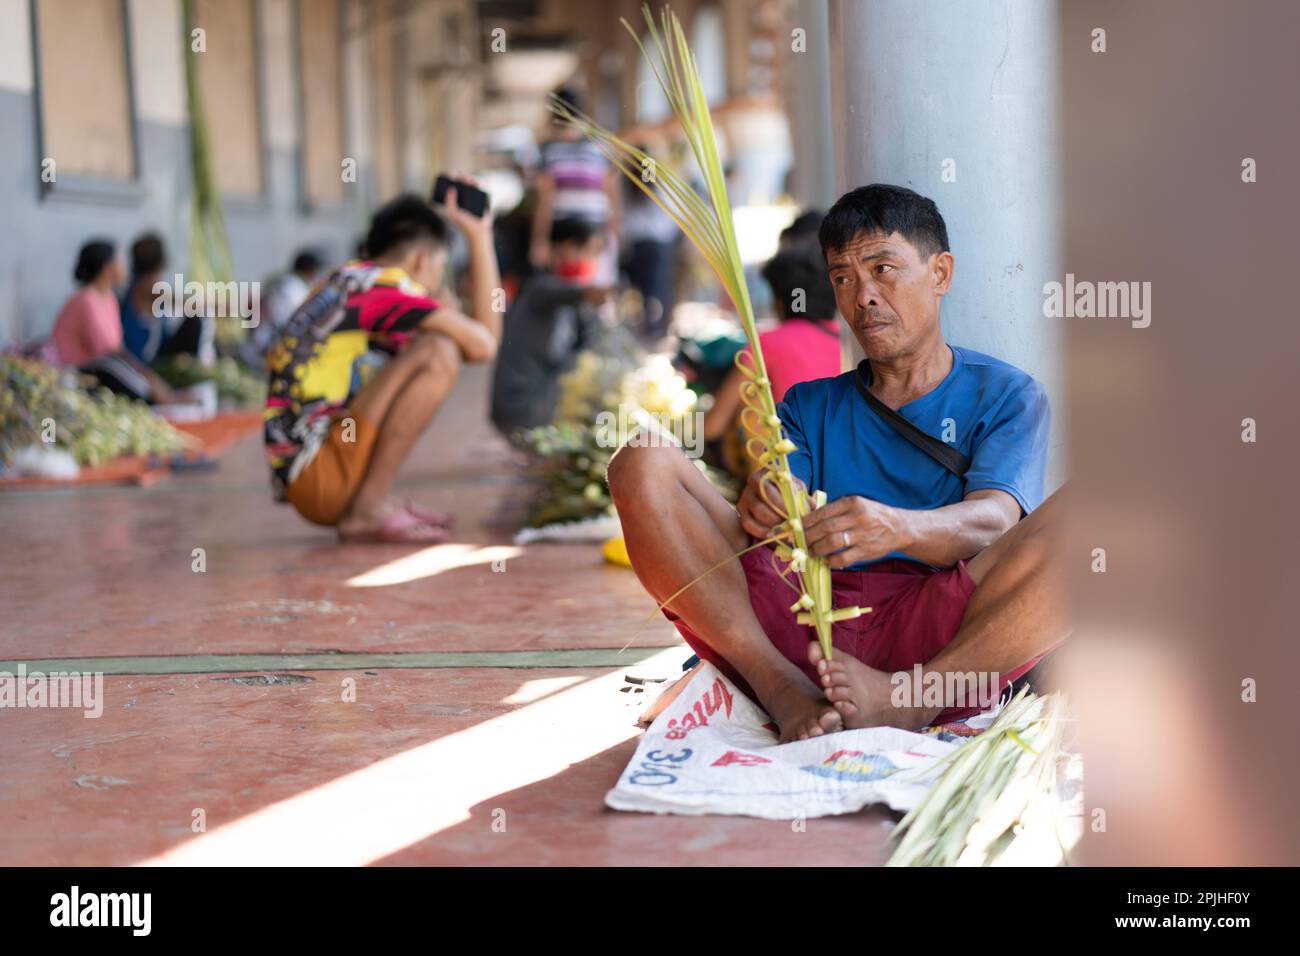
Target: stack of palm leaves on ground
[
  {"x": 612, "y": 385},
  {"x": 996, "y": 798},
  {"x": 237, "y": 384},
  {"x": 708, "y": 223},
  {"x": 45, "y": 406}
]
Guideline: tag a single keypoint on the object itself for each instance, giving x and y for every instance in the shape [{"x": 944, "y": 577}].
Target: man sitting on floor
[
  {"x": 337, "y": 429},
  {"x": 958, "y": 570}
]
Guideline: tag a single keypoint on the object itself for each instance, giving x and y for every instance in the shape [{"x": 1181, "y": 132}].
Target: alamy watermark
[
  {"x": 945, "y": 689},
  {"x": 1099, "y": 300},
  {"x": 130, "y": 910},
  {"x": 642, "y": 429},
  {"x": 71, "y": 689},
  {"x": 181, "y": 299}
]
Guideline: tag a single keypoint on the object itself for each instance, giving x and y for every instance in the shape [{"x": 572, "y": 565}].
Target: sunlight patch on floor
[
  {"x": 535, "y": 690},
  {"x": 428, "y": 562},
  {"x": 372, "y": 813}
]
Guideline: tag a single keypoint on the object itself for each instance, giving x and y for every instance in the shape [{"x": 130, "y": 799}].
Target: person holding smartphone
[{"x": 362, "y": 367}]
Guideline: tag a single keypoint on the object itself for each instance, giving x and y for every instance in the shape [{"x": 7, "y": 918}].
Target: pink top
[
  {"x": 88, "y": 327},
  {"x": 799, "y": 351}
]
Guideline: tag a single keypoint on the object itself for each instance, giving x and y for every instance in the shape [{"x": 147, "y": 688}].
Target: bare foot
[
  {"x": 862, "y": 695},
  {"x": 388, "y": 524},
  {"x": 427, "y": 515},
  {"x": 799, "y": 709}
]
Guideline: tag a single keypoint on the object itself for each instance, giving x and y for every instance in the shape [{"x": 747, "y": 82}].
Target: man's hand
[
  {"x": 473, "y": 226},
  {"x": 758, "y": 504},
  {"x": 485, "y": 278},
  {"x": 854, "y": 529}
]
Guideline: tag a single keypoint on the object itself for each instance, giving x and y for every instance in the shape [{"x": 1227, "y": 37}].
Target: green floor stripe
[{"x": 244, "y": 663}]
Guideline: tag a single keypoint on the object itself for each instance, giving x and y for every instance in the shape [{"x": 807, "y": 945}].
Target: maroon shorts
[{"x": 915, "y": 613}]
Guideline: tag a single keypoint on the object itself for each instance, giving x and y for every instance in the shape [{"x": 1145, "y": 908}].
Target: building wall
[{"x": 44, "y": 230}]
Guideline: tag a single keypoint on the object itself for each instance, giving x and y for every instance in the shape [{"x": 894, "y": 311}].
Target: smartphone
[{"x": 470, "y": 198}]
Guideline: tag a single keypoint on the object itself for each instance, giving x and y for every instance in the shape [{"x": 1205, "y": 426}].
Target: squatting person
[{"x": 363, "y": 365}]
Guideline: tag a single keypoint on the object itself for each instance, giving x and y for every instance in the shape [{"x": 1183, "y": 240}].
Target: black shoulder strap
[{"x": 940, "y": 451}]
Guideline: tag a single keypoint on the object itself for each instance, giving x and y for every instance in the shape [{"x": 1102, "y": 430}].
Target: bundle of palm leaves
[
  {"x": 43, "y": 405},
  {"x": 236, "y": 383},
  {"x": 607, "y": 387},
  {"x": 987, "y": 791}
]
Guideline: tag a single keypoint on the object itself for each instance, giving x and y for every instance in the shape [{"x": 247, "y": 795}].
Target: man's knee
[
  {"x": 1044, "y": 522},
  {"x": 1027, "y": 548},
  {"x": 636, "y": 467},
  {"x": 437, "y": 353}
]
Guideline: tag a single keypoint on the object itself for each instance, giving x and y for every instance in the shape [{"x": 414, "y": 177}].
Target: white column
[{"x": 956, "y": 99}]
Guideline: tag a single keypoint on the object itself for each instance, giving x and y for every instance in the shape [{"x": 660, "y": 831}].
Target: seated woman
[
  {"x": 150, "y": 333},
  {"x": 805, "y": 346},
  {"x": 88, "y": 332}
]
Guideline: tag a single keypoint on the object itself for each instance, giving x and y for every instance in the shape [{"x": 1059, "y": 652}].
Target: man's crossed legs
[{"x": 677, "y": 526}]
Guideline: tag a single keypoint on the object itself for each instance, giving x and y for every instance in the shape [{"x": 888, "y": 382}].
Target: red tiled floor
[
  {"x": 123, "y": 788},
  {"x": 416, "y": 770},
  {"x": 75, "y": 561}
]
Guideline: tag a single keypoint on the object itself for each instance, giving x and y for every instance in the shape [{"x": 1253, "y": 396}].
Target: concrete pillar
[
  {"x": 808, "y": 75},
  {"x": 956, "y": 99}
]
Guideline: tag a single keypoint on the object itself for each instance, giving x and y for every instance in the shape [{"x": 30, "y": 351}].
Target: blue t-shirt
[
  {"x": 993, "y": 413},
  {"x": 142, "y": 336}
]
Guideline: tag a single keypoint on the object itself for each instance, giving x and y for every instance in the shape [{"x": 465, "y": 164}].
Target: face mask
[{"x": 580, "y": 270}]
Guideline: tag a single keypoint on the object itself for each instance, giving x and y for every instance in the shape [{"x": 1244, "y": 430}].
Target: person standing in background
[
  {"x": 652, "y": 237},
  {"x": 575, "y": 181}
]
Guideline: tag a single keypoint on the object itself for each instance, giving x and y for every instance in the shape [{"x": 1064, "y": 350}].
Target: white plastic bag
[{"x": 712, "y": 750}]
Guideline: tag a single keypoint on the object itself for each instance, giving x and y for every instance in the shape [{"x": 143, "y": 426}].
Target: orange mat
[
  {"x": 219, "y": 433},
  {"x": 216, "y": 435}
]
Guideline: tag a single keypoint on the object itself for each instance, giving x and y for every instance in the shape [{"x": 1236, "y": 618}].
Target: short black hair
[
  {"x": 805, "y": 226},
  {"x": 307, "y": 262},
  {"x": 797, "y": 269},
  {"x": 570, "y": 98},
  {"x": 148, "y": 254},
  {"x": 880, "y": 209},
  {"x": 92, "y": 258},
  {"x": 576, "y": 230},
  {"x": 406, "y": 219}
]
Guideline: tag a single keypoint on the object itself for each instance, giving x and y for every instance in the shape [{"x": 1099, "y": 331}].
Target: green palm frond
[{"x": 982, "y": 791}]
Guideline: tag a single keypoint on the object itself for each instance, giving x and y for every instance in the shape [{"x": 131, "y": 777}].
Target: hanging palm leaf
[
  {"x": 209, "y": 245},
  {"x": 708, "y": 224}
]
